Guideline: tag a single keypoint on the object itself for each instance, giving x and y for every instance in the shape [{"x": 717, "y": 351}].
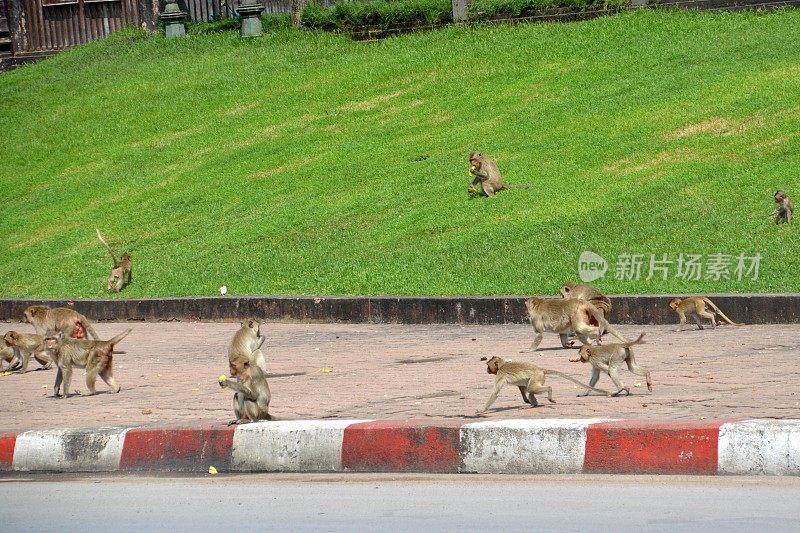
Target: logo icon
[{"x": 591, "y": 266}]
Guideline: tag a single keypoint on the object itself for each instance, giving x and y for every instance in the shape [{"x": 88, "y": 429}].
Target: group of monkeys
[
  {"x": 582, "y": 311},
  {"x": 486, "y": 174},
  {"x": 62, "y": 334},
  {"x": 62, "y": 337}
]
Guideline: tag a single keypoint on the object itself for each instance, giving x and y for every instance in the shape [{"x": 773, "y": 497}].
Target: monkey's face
[
  {"x": 475, "y": 162},
  {"x": 585, "y": 352},
  {"x": 35, "y": 312},
  {"x": 779, "y": 196},
  {"x": 9, "y": 339},
  {"x": 493, "y": 364},
  {"x": 674, "y": 303},
  {"x": 565, "y": 290},
  {"x": 52, "y": 340}
]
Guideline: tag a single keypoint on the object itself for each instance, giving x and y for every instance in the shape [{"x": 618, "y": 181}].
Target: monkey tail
[
  {"x": 119, "y": 337},
  {"x": 570, "y": 378},
  {"x": 637, "y": 341},
  {"x": 718, "y": 310},
  {"x": 99, "y": 236},
  {"x": 603, "y": 323}
]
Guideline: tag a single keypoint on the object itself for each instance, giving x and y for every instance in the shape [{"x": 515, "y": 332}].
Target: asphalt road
[{"x": 370, "y": 502}]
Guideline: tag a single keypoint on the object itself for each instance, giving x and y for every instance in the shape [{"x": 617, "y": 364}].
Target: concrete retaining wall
[{"x": 626, "y": 309}]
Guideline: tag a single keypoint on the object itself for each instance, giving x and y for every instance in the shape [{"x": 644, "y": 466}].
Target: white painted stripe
[
  {"x": 290, "y": 446},
  {"x": 761, "y": 447},
  {"x": 78, "y": 450},
  {"x": 538, "y": 446}
]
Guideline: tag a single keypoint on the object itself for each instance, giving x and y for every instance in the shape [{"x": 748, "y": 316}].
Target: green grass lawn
[{"x": 303, "y": 163}]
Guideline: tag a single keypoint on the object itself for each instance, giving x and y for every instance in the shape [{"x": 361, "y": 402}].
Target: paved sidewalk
[{"x": 396, "y": 372}]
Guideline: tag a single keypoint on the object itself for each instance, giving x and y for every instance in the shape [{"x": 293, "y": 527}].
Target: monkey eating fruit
[
  {"x": 252, "y": 394},
  {"x": 486, "y": 173}
]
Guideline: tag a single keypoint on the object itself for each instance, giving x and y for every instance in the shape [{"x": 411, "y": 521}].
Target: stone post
[
  {"x": 250, "y": 11},
  {"x": 459, "y": 10},
  {"x": 173, "y": 19}
]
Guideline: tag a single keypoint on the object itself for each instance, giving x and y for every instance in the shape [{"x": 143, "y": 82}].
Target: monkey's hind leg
[
  {"x": 536, "y": 388},
  {"x": 565, "y": 343},
  {"x": 639, "y": 371},
  {"x": 592, "y": 380},
  {"x": 612, "y": 373},
  {"x": 108, "y": 377},
  {"x": 238, "y": 408},
  {"x": 525, "y": 396},
  {"x": 43, "y": 360},
  {"x": 536, "y": 341}
]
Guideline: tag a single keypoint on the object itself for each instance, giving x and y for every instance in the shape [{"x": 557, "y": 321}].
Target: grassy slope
[{"x": 303, "y": 163}]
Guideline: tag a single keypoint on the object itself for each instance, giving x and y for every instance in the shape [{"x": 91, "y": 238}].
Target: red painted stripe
[
  {"x": 7, "y": 443},
  {"x": 192, "y": 450},
  {"x": 401, "y": 446},
  {"x": 642, "y": 447}
]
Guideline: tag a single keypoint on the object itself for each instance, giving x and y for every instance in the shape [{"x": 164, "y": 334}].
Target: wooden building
[{"x": 31, "y": 29}]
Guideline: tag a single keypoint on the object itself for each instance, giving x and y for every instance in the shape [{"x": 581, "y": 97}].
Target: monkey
[
  {"x": 785, "y": 208},
  {"x": 121, "y": 272},
  {"x": 486, "y": 173},
  {"x": 565, "y": 315},
  {"x": 252, "y": 395},
  {"x": 71, "y": 323},
  {"x": 590, "y": 294},
  {"x": 694, "y": 306},
  {"x": 528, "y": 377},
  {"x": 608, "y": 358},
  {"x": 95, "y": 356},
  {"x": 8, "y": 356},
  {"x": 26, "y": 344},
  {"x": 246, "y": 346}
]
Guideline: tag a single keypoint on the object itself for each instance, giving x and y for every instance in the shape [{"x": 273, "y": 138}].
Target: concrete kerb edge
[
  {"x": 626, "y": 309},
  {"x": 530, "y": 446}
]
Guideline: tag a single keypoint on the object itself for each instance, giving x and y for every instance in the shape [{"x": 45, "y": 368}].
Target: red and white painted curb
[{"x": 544, "y": 446}]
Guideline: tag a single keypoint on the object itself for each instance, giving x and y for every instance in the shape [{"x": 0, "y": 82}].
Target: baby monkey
[
  {"x": 252, "y": 395},
  {"x": 785, "y": 208},
  {"x": 23, "y": 346},
  {"x": 528, "y": 377},
  {"x": 608, "y": 358}
]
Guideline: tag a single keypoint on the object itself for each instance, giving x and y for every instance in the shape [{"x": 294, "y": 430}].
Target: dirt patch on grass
[
  {"x": 239, "y": 109},
  {"x": 629, "y": 166},
  {"x": 717, "y": 126},
  {"x": 372, "y": 103},
  {"x": 288, "y": 167}
]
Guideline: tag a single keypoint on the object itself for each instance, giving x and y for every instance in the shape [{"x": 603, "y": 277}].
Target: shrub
[
  {"x": 487, "y": 9},
  {"x": 347, "y": 16}
]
